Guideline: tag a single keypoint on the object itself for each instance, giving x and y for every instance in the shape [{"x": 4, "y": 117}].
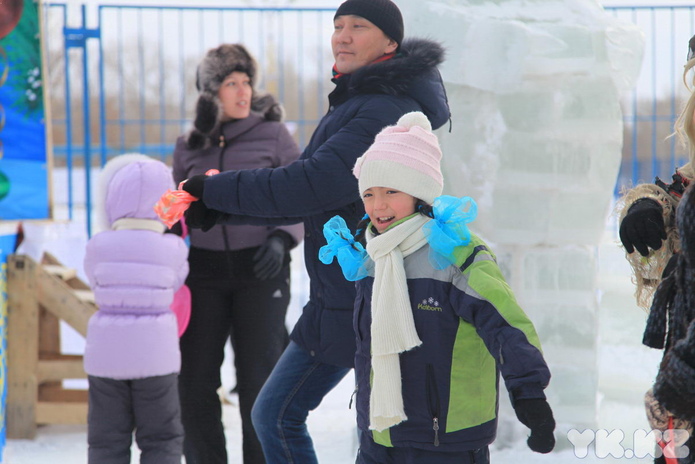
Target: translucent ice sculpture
[{"x": 534, "y": 89}]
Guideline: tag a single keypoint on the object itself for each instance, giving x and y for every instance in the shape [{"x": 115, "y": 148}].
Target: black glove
[
  {"x": 643, "y": 227},
  {"x": 195, "y": 185},
  {"x": 199, "y": 216},
  {"x": 537, "y": 416},
  {"x": 176, "y": 229},
  {"x": 269, "y": 258}
]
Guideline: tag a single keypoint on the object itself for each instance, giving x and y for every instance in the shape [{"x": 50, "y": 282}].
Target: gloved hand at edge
[
  {"x": 643, "y": 227},
  {"x": 194, "y": 185},
  {"x": 537, "y": 416},
  {"x": 199, "y": 216},
  {"x": 270, "y": 257}
]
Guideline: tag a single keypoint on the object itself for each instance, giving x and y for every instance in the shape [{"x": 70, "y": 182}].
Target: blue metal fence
[
  {"x": 127, "y": 78},
  {"x": 653, "y": 106},
  {"x": 129, "y": 74}
]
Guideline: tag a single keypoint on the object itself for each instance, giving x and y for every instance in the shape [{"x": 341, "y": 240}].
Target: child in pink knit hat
[{"x": 436, "y": 323}]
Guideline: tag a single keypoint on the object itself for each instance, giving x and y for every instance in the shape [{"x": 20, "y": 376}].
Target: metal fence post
[{"x": 77, "y": 38}]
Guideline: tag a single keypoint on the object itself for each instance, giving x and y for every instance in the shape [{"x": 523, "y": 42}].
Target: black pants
[
  {"x": 373, "y": 453},
  {"x": 228, "y": 299},
  {"x": 148, "y": 406}
]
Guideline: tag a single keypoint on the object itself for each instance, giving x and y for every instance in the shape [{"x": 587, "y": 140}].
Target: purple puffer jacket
[{"x": 134, "y": 270}]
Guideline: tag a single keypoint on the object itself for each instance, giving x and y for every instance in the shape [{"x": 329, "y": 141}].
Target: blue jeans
[{"x": 296, "y": 386}]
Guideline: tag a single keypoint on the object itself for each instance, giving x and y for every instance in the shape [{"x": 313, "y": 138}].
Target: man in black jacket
[{"x": 379, "y": 77}]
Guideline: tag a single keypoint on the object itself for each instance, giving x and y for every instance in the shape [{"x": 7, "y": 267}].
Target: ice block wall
[{"x": 536, "y": 137}]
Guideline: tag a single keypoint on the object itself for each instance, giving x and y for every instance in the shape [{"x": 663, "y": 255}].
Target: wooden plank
[
  {"x": 22, "y": 347},
  {"x": 60, "y": 370},
  {"x": 77, "y": 287},
  {"x": 85, "y": 295},
  {"x": 61, "y": 357},
  {"x": 49, "y": 334},
  {"x": 49, "y": 341},
  {"x": 61, "y": 413},
  {"x": 49, "y": 259},
  {"x": 57, "y": 297},
  {"x": 61, "y": 367},
  {"x": 37, "y": 301},
  {"x": 65, "y": 273},
  {"x": 57, "y": 394},
  {"x": 75, "y": 282}
]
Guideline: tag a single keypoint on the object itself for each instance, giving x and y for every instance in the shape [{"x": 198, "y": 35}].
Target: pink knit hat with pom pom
[{"x": 404, "y": 157}]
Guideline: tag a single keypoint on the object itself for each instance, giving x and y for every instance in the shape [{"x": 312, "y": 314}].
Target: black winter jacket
[{"x": 321, "y": 185}]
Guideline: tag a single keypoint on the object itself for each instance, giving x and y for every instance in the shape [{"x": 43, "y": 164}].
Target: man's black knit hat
[{"x": 384, "y": 14}]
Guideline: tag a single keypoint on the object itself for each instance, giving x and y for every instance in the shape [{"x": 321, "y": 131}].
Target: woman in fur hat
[
  {"x": 651, "y": 235},
  {"x": 239, "y": 276},
  {"x": 378, "y": 77}
]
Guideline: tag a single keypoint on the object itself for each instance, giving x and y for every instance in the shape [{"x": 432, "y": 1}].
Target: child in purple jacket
[{"x": 132, "y": 353}]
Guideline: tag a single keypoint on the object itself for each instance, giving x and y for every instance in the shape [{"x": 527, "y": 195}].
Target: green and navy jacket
[{"x": 472, "y": 329}]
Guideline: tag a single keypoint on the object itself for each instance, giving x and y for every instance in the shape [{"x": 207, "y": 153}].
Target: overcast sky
[
  {"x": 325, "y": 3},
  {"x": 332, "y": 3}
]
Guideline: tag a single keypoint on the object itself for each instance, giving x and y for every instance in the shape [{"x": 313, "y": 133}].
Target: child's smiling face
[{"x": 386, "y": 205}]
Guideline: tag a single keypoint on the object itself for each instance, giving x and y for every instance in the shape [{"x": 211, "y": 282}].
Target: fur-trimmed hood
[
  {"x": 417, "y": 60},
  {"x": 129, "y": 186},
  {"x": 394, "y": 77}
]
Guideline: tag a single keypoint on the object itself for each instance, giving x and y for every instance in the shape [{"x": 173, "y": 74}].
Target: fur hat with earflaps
[{"x": 217, "y": 64}]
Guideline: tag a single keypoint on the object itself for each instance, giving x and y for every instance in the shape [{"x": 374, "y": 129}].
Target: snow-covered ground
[{"x": 626, "y": 370}]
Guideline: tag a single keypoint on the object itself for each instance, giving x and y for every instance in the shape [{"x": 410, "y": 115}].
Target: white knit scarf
[{"x": 393, "y": 327}]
